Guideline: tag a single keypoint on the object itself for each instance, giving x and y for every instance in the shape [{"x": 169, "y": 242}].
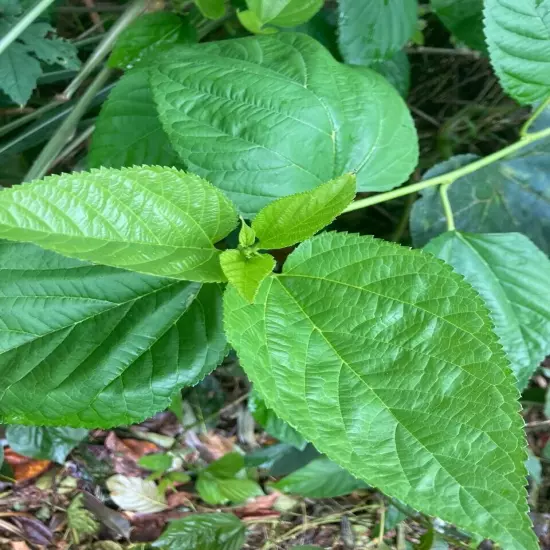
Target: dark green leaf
[
  {"x": 513, "y": 277},
  {"x": 510, "y": 195},
  {"x": 212, "y": 9},
  {"x": 396, "y": 70},
  {"x": 203, "y": 532},
  {"x": 464, "y": 18},
  {"x": 148, "y": 33},
  {"x": 518, "y": 36},
  {"x": 370, "y": 30},
  {"x": 236, "y": 109},
  {"x": 148, "y": 219},
  {"x": 272, "y": 424},
  {"x": 87, "y": 345},
  {"x": 43, "y": 442},
  {"x": 321, "y": 478},
  {"x": 385, "y": 359},
  {"x": 128, "y": 131}
]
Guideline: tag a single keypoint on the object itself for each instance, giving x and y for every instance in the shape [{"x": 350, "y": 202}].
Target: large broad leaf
[
  {"x": 292, "y": 219},
  {"x": 147, "y": 219},
  {"x": 284, "y": 13},
  {"x": 464, "y": 18},
  {"x": 44, "y": 442},
  {"x": 86, "y": 345},
  {"x": 321, "y": 478},
  {"x": 385, "y": 359},
  {"x": 270, "y": 116},
  {"x": 203, "y": 532},
  {"x": 370, "y": 30},
  {"x": 518, "y": 35},
  {"x": 396, "y": 70},
  {"x": 513, "y": 277},
  {"x": 148, "y": 33},
  {"x": 510, "y": 195},
  {"x": 128, "y": 131}
]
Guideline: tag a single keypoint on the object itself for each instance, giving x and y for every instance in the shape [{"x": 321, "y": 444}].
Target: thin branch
[
  {"x": 447, "y": 206},
  {"x": 534, "y": 115}
]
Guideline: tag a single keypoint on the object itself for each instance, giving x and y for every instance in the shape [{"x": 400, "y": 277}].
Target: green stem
[
  {"x": 66, "y": 130},
  {"x": 447, "y": 206},
  {"x": 534, "y": 115},
  {"x": 13, "y": 34},
  {"x": 450, "y": 177},
  {"x": 104, "y": 47},
  {"x": 29, "y": 117}
]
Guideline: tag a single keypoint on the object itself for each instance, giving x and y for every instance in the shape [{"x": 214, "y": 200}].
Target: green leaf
[
  {"x": 249, "y": 20},
  {"x": 211, "y": 9},
  {"x": 510, "y": 195},
  {"x": 285, "y": 13},
  {"x": 513, "y": 277},
  {"x": 246, "y": 273},
  {"x": 147, "y": 34},
  {"x": 518, "y": 37},
  {"x": 464, "y": 19},
  {"x": 225, "y": 480},
  {"x": 370, "y": 30},
  {"x": 272, "y": 424},
  {"x": 19, "y": 64},
  {"x": 160, "y": 462},
  {"x": 247, "y": 237},
  {"x": 203, "y": 532},
  {"x": 396, "y": 70},
  {"x": 385, "y": 359},
  {"x": 235, "y": 110},
  {"x": 87, "y": 345},
  {"x": 81, "y": 522},
  {"x": 128, "y": 131},
  {"x": 321, "y": 478},
  {"x": 148, "y": 219},
  {"x": 292, "y": 219},
  {"x": 43, "y": 442},
  {"x": 135, "y": 494}
]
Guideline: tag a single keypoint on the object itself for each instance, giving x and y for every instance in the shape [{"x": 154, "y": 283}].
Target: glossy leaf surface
[
  {"x": 513, "y": 277},
  {"x": 371, "y": 30},
  {"x": 292, "y": 219},
  {"x": 148, "y": 219},
  {"x": 385, "y": 359},
  {"x": 235, "y": 111},
  {"x": 518, "y": 36},
  {"x": 285, "y": 13},
  {"x": 86, "y": 345}
]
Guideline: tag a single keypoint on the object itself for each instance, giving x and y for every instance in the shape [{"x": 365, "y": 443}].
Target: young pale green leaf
[
  {"x": 135, "y": 494},
  {"x": 292, "y": 219},
  {"x": 215, "y": 531},
  {"x": 518, "y": 36},
  {"x": 269, "y": 116},
  {"x": 128, "y": 131},
  {"x": 513, "y": 277},
  {"x": 385, "y": 359},
  {"x": 285, "y": 13},
  {"x": 160, "y": 462},
  {"x": 396, "y": 70},
  {"x": 464, "y": 18},
  {"x": 211, "y": 9},
  {"x": 509, "y": 195},
  {"x": 247, "y": 237},
  {"x": 370, "y": 30},
  {"x": 44, "y": 442},
  {"x": 249, "y": 20},
  {"x": 148, "y": 33},
  {"x": 321, "y": 478},
  {"x": 81, "y": 521},
  {"x": 147, "y": 219},
  {"x": 246, "y": 273},
  {"x": 272, "y": 424},
  {"x": 87, "y": 345}
]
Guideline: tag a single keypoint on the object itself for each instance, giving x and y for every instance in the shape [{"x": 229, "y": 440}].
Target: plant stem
[
  {"x": 104, "y": 47},
  {"x": 450, "y": 177},
  {"x": 534, "y": 115},
  {"x": 23, "y": 23},
  {"x": 64, "y": 133},
  {"x": 447, "y": 206}
]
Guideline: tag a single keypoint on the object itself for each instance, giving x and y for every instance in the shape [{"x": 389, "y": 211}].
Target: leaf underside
[
  {"x": 376, "y": 354},
  {"x": 518, "y": 36},
  {"x": 513, "y": 277},
  {"x": 235, "y": 111},
  {"x": 148, "y": 219},
  {"x": 86, "y": 345}
]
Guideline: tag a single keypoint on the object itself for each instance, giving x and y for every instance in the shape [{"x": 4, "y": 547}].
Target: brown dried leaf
[{"x": 25, "y": 468}]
